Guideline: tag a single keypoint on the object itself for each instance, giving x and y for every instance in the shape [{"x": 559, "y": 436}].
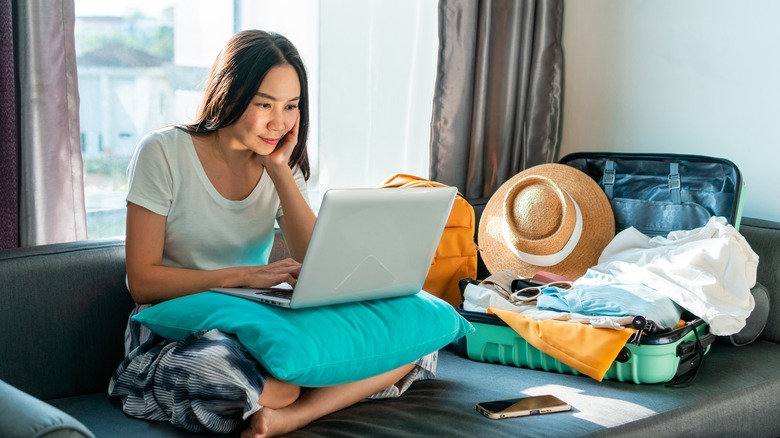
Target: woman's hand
[
  {"x": 282, "y": 271},
  {"x": 284, "y": 149}
]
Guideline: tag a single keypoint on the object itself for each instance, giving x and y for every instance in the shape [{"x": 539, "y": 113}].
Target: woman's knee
[{"x": 277, "y": 394}]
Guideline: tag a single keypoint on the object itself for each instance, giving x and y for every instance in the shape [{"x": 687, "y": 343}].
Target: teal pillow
[{"x": 318, "y": 346}]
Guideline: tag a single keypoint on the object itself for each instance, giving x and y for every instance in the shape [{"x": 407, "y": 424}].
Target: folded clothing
[{"x": 598, "y": 294}]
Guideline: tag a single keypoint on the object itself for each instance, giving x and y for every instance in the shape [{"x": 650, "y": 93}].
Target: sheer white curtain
[
  {"x": 52, "y": 186},
  {"x": 377, "y": 73}
]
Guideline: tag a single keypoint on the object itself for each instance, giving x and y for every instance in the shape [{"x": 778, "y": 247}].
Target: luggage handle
[
  {"x": 691, "y": 356},
  {"x": 686, "y": 348},
  {"x": 674, "y": 180}
]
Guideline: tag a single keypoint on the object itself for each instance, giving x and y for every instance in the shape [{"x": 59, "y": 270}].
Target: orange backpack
[{"x": 456, "y": 256}]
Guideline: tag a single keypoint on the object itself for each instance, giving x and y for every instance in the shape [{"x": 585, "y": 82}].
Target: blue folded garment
[{"x": 612, "y": 300}]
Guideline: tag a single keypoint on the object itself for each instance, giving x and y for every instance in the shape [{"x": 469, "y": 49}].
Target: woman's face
[{"x": 272, "y": 113}]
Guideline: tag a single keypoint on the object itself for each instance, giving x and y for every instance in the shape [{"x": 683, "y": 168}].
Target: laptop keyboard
[{"x": 276, "y": 292}]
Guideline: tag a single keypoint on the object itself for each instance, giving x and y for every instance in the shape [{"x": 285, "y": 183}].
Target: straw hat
[{"x": 551, "y": 217}]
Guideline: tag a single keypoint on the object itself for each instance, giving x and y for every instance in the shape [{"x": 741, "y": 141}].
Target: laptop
[{"x": 366, "y": 244}]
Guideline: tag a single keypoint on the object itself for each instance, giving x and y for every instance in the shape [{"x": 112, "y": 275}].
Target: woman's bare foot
[
  {"x": 269, "y": 422},
  {"x": 316, "y": 403}
]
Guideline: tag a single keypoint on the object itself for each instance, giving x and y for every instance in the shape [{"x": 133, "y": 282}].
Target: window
[{"x": 142, "y": 65}]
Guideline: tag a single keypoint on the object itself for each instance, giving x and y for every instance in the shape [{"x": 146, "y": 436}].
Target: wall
[{"x": 692, "y": 76}]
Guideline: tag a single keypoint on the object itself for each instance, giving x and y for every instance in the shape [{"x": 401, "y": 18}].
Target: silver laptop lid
[{"x": 372, "y": 243}]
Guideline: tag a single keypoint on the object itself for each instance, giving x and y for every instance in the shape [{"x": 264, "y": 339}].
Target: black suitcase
[
  {"x": 659, "y": 193},
  {"x": 655, "y": 193}
]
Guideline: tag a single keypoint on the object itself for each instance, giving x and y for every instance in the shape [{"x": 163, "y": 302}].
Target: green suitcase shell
[{"x": 657, "y": 359}]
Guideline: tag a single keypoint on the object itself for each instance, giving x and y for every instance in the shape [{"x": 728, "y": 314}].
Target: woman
[{"x": 201, "y": 208}]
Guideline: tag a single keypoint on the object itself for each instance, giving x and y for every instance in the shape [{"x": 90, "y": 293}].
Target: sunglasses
[{"x": 528, "y": 294}]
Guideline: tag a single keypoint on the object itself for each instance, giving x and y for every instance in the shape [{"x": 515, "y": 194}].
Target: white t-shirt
[{"x": 203, "y": 229}]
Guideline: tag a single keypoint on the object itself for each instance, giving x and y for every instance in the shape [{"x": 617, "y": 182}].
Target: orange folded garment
[{"x": 585, "y": 348}]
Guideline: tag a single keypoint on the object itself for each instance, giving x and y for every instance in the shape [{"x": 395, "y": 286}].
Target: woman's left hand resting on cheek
[{"x": 280, "y": 157}]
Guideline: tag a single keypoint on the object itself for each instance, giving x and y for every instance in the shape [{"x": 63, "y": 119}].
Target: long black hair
[{"x": 235, "y": 77}]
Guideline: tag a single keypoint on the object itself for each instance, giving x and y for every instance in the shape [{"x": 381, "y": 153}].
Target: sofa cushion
[
  {"x": 755, "y": 322},
  {"x": 22, "y": 415},
  {"x": 318, "y": 346},
  {"x": 764, "y": 238},
  {"x": 735, "y": 394}
]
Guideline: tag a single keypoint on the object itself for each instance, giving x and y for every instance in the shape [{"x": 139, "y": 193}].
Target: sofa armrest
[
  {"x": 764, "y": 237},
  {"x": 63, "y": 312},
  {"x": 24, "y": 416}
]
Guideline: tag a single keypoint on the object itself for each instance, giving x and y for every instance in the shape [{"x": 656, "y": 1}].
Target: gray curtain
[
  {"x": 9, "y": 139},
  {"x": 52, "y": 185},
  {"x": 498, "y": 93}
]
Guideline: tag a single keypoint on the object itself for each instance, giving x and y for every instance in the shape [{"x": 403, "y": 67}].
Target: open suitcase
[{"x": 655, "y": 193}]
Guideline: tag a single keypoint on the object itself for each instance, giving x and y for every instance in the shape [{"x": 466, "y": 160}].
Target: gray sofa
[{"x": 63, "y": 310}]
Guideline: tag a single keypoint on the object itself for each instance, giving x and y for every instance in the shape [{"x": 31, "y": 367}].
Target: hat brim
[{"x": 598, "y": 223}]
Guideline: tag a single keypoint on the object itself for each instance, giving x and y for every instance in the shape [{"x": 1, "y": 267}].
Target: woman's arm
[
  {"x": 297, "y": 221},
  {"x": 151, "y": 282}
]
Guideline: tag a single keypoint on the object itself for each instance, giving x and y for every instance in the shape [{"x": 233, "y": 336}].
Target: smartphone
[{"x": 521, "y": 407}]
